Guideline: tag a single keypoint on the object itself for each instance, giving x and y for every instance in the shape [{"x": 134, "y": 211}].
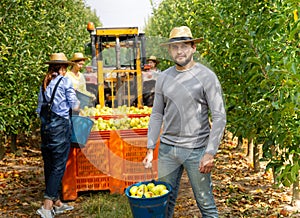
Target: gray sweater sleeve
[{"x": 214, "y": 96}]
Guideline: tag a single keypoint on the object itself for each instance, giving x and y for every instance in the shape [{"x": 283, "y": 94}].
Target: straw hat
[
  {"x": 153, "y": 58},
  {"x": 78, "y": 57},
  {"x": 58, "y": 58},
  {"x": 181, "y": 34}
]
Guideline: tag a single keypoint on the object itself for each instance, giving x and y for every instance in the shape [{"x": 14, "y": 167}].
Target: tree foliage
[
  {"x": 29, "y": 32},
  {"x": 253, "y": 46}
]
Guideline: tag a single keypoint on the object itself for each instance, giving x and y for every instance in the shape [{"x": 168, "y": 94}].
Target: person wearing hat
[
  {"x": 185, "y": 95},
  {"x": 149, "y": 79},
  {"x": 153, "y": 62},
  {"x": 55, "y": 130},
  {"x": 77, "y": 78}
]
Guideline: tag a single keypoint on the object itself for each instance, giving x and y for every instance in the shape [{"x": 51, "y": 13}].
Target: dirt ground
[{"x": 238, "y": 190}]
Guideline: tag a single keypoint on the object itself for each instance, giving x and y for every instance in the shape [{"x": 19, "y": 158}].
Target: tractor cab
[{"x": 117, "y": 59}]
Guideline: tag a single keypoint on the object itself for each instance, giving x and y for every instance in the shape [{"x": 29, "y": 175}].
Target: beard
[{"x": 184, "y": 62}]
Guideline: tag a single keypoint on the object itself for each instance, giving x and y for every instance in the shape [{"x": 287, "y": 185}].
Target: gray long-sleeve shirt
[{"x": 181, "y": 106}]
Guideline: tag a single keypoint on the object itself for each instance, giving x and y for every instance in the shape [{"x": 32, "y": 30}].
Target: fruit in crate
[
  {"x": 144, "y": 110},
  {"x": 148, "y": 191},
  {"x": 120, "y": 110},
  {"x": 95, "y": 111},
  {"x": 120, "y": 124},
  {"x": 144, "y": 121}
]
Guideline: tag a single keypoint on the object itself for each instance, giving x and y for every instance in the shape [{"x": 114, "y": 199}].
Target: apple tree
[{"x": 30, "y": 31}]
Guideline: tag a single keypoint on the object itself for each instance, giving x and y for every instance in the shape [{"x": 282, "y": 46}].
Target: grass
[{"x": 105, "y": 204}]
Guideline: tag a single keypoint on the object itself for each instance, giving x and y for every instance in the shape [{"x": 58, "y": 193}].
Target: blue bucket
[
  {"x": 81, "y": 129},
  {"x": 155, "y": 207},
  {"x": 84, "y": 99}
]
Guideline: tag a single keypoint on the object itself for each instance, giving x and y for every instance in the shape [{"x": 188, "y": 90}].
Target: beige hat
[
  {"x": 153, "y": 58},
  {"x": 58, "y": 58},
  {"x": 78, "y": 57},
  {"x": 181, "y": 34}
]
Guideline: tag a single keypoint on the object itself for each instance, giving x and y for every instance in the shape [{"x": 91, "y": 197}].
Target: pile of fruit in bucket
[
  {"x": 149, "y": 199},
  {"x": 149, "y": 190}
]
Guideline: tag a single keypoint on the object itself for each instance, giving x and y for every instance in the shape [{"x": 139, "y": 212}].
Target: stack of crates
[
  {"x": 88, "y": 168},
  {"x": 111, "y": 160}
]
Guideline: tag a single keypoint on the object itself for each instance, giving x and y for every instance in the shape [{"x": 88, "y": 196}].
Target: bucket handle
[{"x": 145, "y": 173}]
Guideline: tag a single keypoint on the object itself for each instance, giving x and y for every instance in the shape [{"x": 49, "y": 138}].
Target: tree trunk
[
  {"x": 253, "y": 155},
  {"x": 250, "y": 150},
  {"x": 13, "y": 143},
  {"x": 273, "y": 168},
  {"x": 240, "y": 143},
  {"x": 296, "y": 194},
  {"x": 256, "y": 156},
  {"x": 2, "y": 148}
]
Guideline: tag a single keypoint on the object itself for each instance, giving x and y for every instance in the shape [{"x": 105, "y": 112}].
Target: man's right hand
[{"x": 148, "y": 159}]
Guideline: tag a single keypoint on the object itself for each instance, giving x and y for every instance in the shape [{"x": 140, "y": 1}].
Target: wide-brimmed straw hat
[
  {"x": 78, "y": 57},
  {"x": 153, "y": 58},
  {"x": 181, "y": 34},
  {"x": 58, "y": 58}
]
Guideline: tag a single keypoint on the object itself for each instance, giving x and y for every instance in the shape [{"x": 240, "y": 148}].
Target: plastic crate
[
  {"x": 134, "y": 151},
  {"x": 96, "y": 135},
  {"x": 138, "y": 115},
  {"x": 111, "y": 160},
  {"x": 108, "y": 117},
  {"x": 93, "y": 160},
  {"x": 128, "y": 149},
  {"x": 87, "y": 168},
  {"x": 93, "y": 183}
]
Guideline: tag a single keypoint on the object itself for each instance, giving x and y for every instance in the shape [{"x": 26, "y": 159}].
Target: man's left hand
[{"x": 206, "y": 164}]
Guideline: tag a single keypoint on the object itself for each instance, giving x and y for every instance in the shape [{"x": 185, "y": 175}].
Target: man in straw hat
[
  {"x": 184, "y": 95},
  {"x": 55, "y": 130},
  {"x": 77, "y": 78}
]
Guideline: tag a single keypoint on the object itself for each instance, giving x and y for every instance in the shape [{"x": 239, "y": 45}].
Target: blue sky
[{"x": 122, "y": 13}]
